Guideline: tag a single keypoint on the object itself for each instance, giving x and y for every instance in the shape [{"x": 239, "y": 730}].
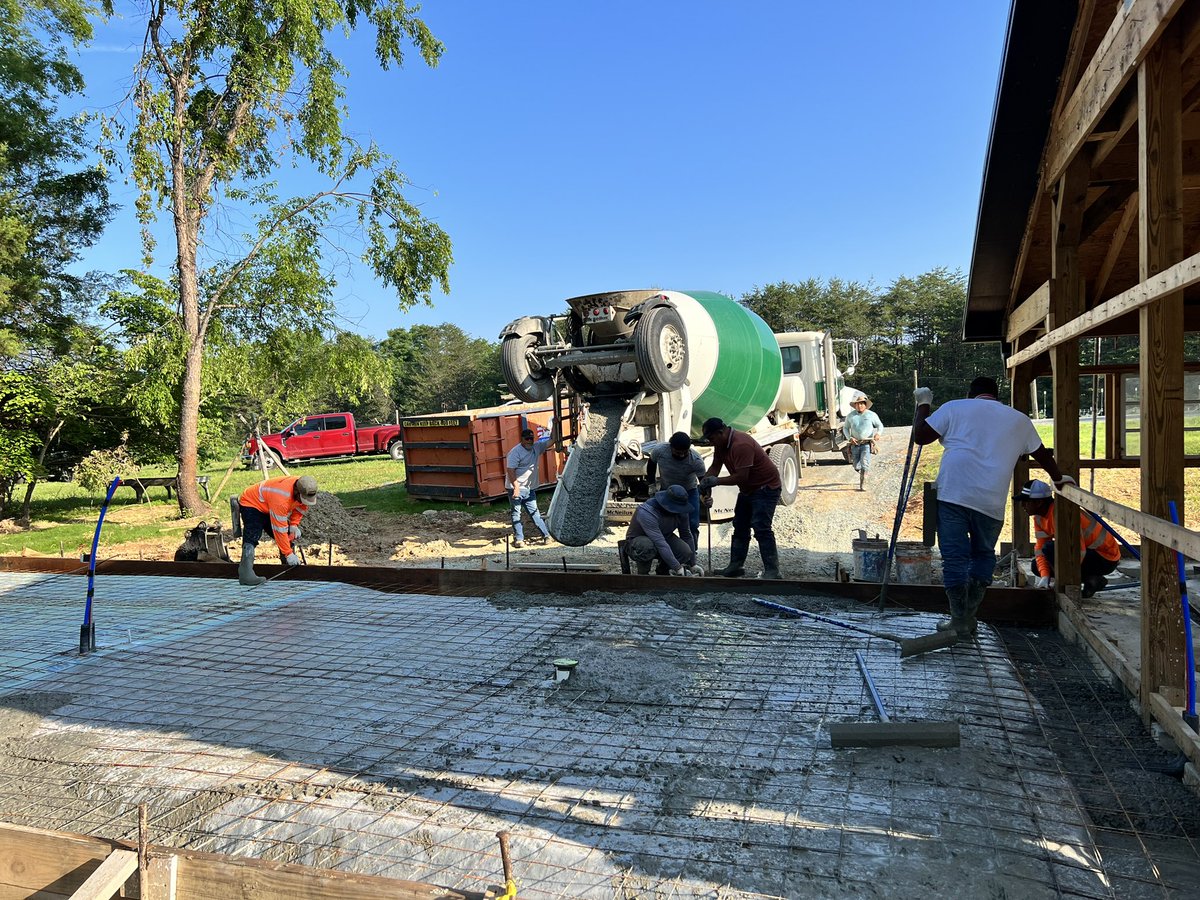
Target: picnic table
[{"x": 169, "y": 482}]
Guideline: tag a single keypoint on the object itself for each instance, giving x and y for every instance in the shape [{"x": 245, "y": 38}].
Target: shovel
[{"x": 908, "y": 646}]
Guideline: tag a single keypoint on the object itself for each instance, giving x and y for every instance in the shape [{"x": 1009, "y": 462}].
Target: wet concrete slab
[{"x": 687, "y": 756}]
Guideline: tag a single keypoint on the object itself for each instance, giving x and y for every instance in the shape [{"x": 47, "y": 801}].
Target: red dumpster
[{"x": 461, "y": 455}]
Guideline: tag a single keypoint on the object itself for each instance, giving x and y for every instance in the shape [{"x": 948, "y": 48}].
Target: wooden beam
[
  {"x": 109, "y": 878},
  {"x": 1171, "y": 719},
  {"x": 1031, "y": 313},
  {"x": 1103, "y": 207},
  {"x": 1116, "y": 245},
  {"x": 1178, "y": 277},
  {"x": 1160, "y": 244},
  {"x": 1175, "y": 537},
  {"x": 1133, "y": 32},
  {"x": 1066, "y": 304},
  {"x": 1021, "y": 396},
  {"x": 52, "y": 864},
  {"x": 1128, "y": 120}
]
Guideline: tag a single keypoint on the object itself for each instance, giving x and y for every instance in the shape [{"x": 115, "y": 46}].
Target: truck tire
[
  {"x": 267, "y": 458},
  {"x": 523, "y": 381},
  {"x": 660, "y": 348},
  {"x": 788, "y": 464},
  {"x": 396, "y": 451}
]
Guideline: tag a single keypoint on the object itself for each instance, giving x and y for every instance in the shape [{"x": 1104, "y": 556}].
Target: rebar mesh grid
[{"x": 687, "y": 756}]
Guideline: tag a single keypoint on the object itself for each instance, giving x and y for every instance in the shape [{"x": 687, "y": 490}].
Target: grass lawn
[{"x": 64, "y": 514}]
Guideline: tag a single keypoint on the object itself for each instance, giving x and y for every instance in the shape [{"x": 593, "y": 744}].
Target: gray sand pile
[{"x": 328, "y": 520}]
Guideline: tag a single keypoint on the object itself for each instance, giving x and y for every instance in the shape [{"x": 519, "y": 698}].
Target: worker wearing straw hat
[{"x": 863, "y": 430}]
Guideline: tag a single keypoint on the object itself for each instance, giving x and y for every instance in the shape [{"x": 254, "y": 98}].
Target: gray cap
[{"x": 306, "y": 487}]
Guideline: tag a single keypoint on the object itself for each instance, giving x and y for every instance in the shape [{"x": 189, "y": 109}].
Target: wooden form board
[{"x": 55, "y": 864}]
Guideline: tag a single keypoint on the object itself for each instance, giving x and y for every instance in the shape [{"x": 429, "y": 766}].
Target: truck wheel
[
  {"x": 267, "y": 458},
  {"x": 526, "y": 383},
  {"x": 660, "y": 348},
  {"x": 786, "y": 461},
  {"x": 397, "y": 451}
]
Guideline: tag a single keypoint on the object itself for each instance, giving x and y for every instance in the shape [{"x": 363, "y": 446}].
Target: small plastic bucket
[
  {"x": 913, "y": 563},
  {"x": 870, "y": 559}
]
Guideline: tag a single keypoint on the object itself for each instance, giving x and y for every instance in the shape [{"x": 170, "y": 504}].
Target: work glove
[
  {"x": 1044, "y": 582},
  {"x": 1066, "y": 479},
  {"x": 679, "y": 570},
  {"x": 696, "y": 571},
  {"x": 294, "y": 532},
  {"x": 708, "y": 482},
  {"x": 923, "y": 396},
  {"x": 292, "y": 559}
]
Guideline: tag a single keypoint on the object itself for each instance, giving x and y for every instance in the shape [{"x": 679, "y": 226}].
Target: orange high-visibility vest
[
  {"x": 1093, "y": 536},
  {"x": 276, "y": 498}
]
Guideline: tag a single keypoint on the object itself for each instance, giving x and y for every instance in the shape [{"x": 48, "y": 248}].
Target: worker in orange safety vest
[
  {"x": 278, "y": 504},
  {"x": 1100, "y": 553}
]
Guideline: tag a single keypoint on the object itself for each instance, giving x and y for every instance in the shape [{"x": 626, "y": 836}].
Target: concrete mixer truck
[{"x": 634, "y": 367}]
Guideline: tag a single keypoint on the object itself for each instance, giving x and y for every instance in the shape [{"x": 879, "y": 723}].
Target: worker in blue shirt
[{"x": 863, "y": 430}]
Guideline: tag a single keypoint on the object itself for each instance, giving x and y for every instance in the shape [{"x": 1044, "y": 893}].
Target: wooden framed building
[{"x": 1089, "y": 225}]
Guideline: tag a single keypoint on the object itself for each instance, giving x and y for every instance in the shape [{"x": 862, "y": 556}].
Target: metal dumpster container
[{"x": 461, "y": 455}]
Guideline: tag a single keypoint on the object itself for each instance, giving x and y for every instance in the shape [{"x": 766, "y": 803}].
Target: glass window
[
  {"x": 335, "y": 423},
  {"x": 793, "y": 362},
  {"x": 308, "y": 426}
]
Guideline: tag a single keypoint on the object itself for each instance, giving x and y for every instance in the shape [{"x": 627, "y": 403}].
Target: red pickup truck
[{"x": 327, "y": 435}]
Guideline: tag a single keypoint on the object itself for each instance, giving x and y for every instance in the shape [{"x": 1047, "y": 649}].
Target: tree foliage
[
  {"x": 52, "y": 203},
  {"x": 439, "y": 367},
  {"x": 225, "y": 91}
]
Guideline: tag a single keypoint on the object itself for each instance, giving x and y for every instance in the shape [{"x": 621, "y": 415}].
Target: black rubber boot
[
  {"x": 246, "y": 568},
  {"x": 975, "y": 592},
  {"x": 737, "y": 560},
  {"x": 958, "y": 607},
  {"x": 769, "y": 551}
]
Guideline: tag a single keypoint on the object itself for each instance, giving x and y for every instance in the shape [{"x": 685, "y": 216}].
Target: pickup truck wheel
[
  {"x": 267, "y": 458},
  {"x": 527, "y": 383},
  {"x": 396, "y": 451},
  {"x": 660, "y": 348},
  {"x": 788, "y": 464}
]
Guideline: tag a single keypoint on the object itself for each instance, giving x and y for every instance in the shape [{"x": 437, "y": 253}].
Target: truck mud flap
[{"x": 576, "y": 515}]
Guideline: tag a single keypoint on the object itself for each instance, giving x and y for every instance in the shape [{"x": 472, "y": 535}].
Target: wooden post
[
  {"x": 1021, "y": 394},
  {"x": 1160, "y": 245},
  {"x": 1066, "y": 303}
]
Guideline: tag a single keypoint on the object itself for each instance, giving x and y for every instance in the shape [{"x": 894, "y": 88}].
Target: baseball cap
[
  {"x": 306, "y": 486},
  {"x": 1035, "y": 490}
]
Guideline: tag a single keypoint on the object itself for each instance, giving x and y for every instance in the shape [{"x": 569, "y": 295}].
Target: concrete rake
[
  {"x": 886, "y": 733},
  {"x": 908, "y": 646}
]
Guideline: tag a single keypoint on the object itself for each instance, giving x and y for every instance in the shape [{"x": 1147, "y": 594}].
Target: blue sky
[{"x": 575, "y": 146}]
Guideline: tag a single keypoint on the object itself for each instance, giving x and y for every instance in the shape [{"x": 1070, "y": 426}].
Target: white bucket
[{"x": 913, "y": 563}]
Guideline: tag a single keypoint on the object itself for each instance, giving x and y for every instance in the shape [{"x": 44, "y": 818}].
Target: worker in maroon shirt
[{"x": 758, "y": 494}]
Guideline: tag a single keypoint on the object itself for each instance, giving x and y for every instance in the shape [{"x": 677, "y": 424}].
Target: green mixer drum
[{"x": 748, "y": 370}]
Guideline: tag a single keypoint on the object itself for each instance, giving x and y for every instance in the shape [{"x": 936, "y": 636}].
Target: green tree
[
  {"x": 225, "y": 91},
  {"x": 847, "y": 308},
  {"x": 440, "y": 367},
  {"x": 52, "y": 204}
]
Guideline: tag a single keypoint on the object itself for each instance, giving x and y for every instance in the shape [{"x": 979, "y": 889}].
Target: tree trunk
[
  {"x": 23, "y": 519},
  {"x": 187, "y": 239},
  {"x": 189, "y": 423}
]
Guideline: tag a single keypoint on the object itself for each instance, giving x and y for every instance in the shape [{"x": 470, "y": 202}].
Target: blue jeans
[
  {"x": 694, "y": 517},
  {"x": 967, "y": 539},
  {"x": 860, "y": 457},
  {"x": 529, "y": 504}
]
